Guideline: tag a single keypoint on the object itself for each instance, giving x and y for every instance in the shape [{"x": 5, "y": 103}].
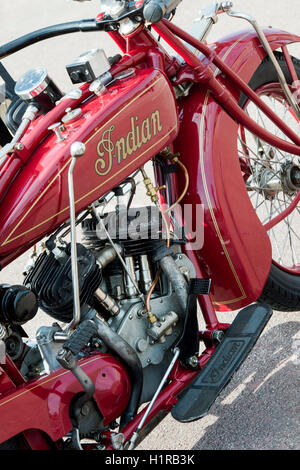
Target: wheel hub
[
  {"x": 272, "y": 178},
  {"x": 270, "y": 184},
  {"x": 291, "y": 178},
  {"x": 286, "y": 180}
]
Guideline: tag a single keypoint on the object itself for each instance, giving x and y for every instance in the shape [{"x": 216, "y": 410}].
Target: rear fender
[{"x": 237, "y": 252}]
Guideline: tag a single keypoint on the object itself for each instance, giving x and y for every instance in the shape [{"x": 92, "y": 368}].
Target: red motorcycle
[{"x": 220, "y": 124}]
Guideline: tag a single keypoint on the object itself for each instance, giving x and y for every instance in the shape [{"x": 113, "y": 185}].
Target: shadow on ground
[{"x": 260, "y": 408}]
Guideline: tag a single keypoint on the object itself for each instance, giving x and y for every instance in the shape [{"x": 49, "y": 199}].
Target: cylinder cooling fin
[{"x": 51, "y": 281}]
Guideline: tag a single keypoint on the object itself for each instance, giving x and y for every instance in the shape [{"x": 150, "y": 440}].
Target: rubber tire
[
  {"x": 11, "y": 444},
  {"x": 282, "y": 289}
]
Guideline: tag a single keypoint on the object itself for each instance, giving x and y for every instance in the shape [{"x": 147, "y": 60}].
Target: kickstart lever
[{"x": 66, "y": 358}]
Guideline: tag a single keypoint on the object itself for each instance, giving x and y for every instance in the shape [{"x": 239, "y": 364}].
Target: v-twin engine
[{"x": 116, "y": 291}]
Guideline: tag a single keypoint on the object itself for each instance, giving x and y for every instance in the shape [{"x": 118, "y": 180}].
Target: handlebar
[
  {"x": 48, "y": 32},
  {"x": 155, "y": 10}
]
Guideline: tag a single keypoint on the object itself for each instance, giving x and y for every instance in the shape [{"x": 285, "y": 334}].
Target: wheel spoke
[{"x": 263, "y": 163}]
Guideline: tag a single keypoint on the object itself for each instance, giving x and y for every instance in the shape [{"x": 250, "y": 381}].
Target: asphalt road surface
[{"x": 260, "y": 408}]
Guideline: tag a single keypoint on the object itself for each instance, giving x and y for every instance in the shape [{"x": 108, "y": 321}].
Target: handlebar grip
[{"x": 155, "y": 10}]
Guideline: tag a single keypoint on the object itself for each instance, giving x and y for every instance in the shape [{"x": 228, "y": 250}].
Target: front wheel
[{"x": 272, "y": 179}]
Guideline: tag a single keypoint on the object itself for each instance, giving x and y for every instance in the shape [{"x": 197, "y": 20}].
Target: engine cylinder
[{"x": 51, "y": 281}]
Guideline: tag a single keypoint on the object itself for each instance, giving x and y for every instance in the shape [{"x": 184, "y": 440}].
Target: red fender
[{"x": 237, "y": 252}]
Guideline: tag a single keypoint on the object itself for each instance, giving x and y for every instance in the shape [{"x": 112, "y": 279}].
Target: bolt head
[
  {"x": 141, "y": 345},
  {"x": 97, "y": 87},
  {"x": 19, "y": 146},
  {"x": 218, "y": 335},
  {"x": 193, "y": 361}
]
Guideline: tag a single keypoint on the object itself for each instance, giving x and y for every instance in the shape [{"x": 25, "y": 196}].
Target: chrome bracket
[
  {"x": 207, "y": 18},
  {"x": 27, "y": 119}
]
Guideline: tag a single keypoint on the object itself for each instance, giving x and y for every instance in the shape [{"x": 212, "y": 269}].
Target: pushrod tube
[{"x": 205, "y": 75}]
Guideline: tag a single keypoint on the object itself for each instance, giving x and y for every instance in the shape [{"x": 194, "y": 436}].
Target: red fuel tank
[{"x": 122, "y": 129}]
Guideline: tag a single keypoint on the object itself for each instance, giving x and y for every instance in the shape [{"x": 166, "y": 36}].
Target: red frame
[{"x": 142, "y": 51}]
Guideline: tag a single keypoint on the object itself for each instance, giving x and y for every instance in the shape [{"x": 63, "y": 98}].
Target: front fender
[{"x": 237, "y": 253}]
